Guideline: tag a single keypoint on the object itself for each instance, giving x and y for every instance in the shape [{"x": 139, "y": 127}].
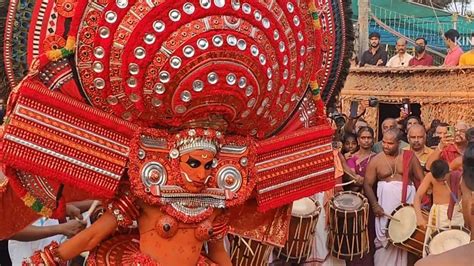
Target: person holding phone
[
  {"x": 456, "y": 164},
  {"x": 452, "y": 146},
  {"x": 355, "y": 121},
  {"x": 432, "y": 137}
]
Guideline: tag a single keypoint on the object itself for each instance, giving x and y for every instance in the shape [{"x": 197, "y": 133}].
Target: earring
[{"x": 214, "y": 163}]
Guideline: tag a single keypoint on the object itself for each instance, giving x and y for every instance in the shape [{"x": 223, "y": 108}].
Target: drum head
[
  {"x": 447, "y": 240},
  {"x": 303, "y": 207},
  {"x": 348, "y": 202},
  {"x": 401, "y": 231}
]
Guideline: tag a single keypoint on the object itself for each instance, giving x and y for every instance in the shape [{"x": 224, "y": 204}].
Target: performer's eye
[
  {"x": 208, "y": 165},
  {"x": 193, "y": 163}
]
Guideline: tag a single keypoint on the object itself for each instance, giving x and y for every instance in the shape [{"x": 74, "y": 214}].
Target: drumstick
[
  {"x": 345, "y": 184},
  {"x": 350, "y": 174},
  {"x": 94, "y": 205},
  {"x": 392, "y": 218},
  {"x": 451, "y": 192},
  {"x": 247, "y": 245}
]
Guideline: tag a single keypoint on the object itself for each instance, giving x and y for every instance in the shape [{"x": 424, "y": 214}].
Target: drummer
[
  {"x": 358, "y": 163},
  {"x": 463, "y": 254},
  {"x": 446, "y": 210},
  {"x": 387, "y": 168}
]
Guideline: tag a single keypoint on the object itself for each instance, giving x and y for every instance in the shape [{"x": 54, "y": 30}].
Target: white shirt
[
  {"x": 396, "y": 61},
  {"x": 20, "y": 250}
]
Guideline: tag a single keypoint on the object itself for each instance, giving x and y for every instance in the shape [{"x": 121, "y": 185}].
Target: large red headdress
[
  {"x": 240, "y": 66},
  {"x": 249, "y": 69}
]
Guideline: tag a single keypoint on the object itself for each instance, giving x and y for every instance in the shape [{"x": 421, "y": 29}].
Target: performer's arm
[
  {"x": 370, "y": 178},
  {"x": 420, "y": 193},
  {"x": 121, "y": 212},
  {"x": 89, "y": 238},
  {"x": 218, "y": 254}
]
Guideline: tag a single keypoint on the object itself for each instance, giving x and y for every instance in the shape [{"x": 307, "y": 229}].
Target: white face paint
[{"x": 186, "y": 177}]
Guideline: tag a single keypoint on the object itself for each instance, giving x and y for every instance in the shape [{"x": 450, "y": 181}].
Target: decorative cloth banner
[
  {"x": 54, "y": 136},
  {"x": 294, "y": 166}
]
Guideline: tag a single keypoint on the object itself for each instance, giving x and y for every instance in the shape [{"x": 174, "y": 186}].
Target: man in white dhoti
[{"x": 394, "y": 172}]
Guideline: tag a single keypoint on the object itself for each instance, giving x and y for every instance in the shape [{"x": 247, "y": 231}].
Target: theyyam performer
[{"x": 184, "y": 117}]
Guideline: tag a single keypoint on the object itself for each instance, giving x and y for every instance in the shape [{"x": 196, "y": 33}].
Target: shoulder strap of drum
[
  {"x": 455, "y": 178},
  {"x": 407, "y": 155}
]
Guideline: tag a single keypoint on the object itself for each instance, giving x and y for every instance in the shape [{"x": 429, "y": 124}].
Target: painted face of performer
[{"x": 196, "y": 169}]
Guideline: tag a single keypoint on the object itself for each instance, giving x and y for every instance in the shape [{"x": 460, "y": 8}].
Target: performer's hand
[
  {"x": 72, "y": 227},
  {"x": 379, "y": 62},
  {"x": 47, "y": 256},
  {"x": 73, "y": 212},
  {"x": 378, "y": 210}
]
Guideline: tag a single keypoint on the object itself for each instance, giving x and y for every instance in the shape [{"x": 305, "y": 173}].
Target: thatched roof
[{"x": 423, "y": 85}]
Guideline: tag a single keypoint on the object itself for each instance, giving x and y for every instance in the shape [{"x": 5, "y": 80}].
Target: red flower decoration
[
  {"x": 53, "y": 42},
  {"x": 66, "y": 7}
]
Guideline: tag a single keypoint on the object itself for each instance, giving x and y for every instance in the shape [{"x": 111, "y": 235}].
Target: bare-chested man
[
  {"x": 445, "y": 187},
  {"x": 387, "y": 170},
  {"x": 462, "y": 255}
]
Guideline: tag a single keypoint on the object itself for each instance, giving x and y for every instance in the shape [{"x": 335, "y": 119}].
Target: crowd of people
[
  {"x": 377, "y": 56},
  {"x": 412, "y": 163}
]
